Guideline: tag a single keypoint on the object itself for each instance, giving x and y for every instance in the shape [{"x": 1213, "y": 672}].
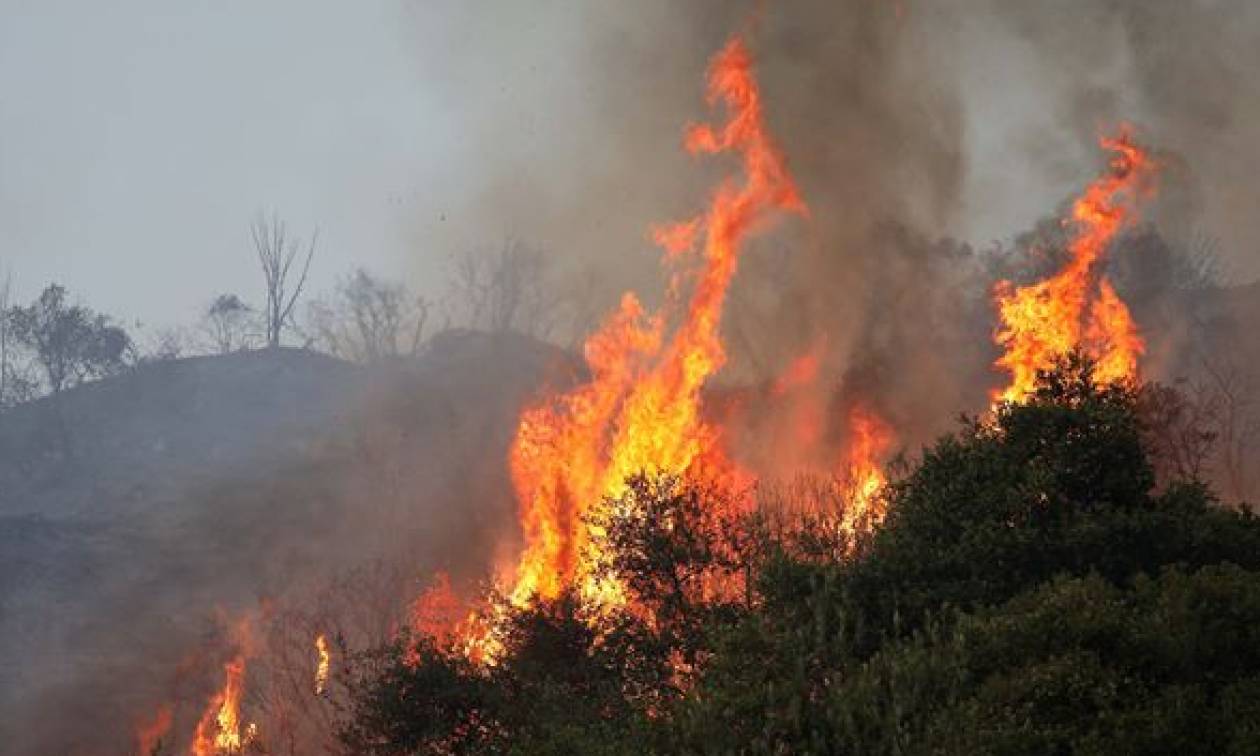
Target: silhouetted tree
[
  {"x": 70, "y": 342},
  {"x": 228, "y": 324},
  {"x": 1031, "y": 591},
  {"x": 504, "y": 289},
  {"x": 369, "y": 320},
  {"x": 277, "y": 251},
  {"x": 16, "y": 383},
  {"x": 1238, "y": 424},
  {"x": 6, "y": 288}
]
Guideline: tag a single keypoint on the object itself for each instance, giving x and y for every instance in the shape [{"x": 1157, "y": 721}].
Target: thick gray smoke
[{"x": 905, "y": 123}]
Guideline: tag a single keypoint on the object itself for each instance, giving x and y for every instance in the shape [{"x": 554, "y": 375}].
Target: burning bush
[{"x": 1026, "y": 560}]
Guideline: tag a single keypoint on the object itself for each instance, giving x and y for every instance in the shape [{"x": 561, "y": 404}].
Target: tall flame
[
  {"x": 871, "y": 441},
  {"x": 219, "y": 729},
  {"x": 641, "y": 410},
  {"x": 1078, "y": 308},
  {"x": 323, "y": 660}
]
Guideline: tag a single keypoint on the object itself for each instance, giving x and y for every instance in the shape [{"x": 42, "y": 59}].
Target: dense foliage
[{"x": 1031, "y": 591}]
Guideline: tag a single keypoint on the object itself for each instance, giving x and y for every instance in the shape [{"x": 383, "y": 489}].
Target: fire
[
  {"x": 872, "y": 439},
  {"x": 1078, "y": 307},
  {"x": 641, "y": 410},
  {"x": 802, "y": 371},
  {"x": 453, "y": 623},
  {"x": 219, "y": 729},
  {"x": 150, "y": 734},
  {"x": 322, "y": 662}
]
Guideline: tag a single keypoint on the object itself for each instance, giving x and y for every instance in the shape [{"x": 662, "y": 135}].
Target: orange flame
[
  {"x": 800, "y": 372},
  {"x": 149, "y": 734},
  {"x": 452, "y": 624},
  {"x": 872, "y": 439},
  {"x": 322, "y": 662},
  {"x": 641, "y": 410},
  {"x": 1078, "y": 308},
  {"x": 219, "y": 729}
]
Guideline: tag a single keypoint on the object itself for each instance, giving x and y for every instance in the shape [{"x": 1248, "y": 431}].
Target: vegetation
[
  {"x": 1031, "y": 591},
  {"x": 70, "y": 343}
]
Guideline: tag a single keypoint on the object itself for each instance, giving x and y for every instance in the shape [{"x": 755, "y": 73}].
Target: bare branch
[{"x": 276, "y": 253}]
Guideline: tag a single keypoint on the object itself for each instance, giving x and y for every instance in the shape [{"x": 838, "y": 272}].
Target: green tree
[
  {"x": 71, "y": 342},
  {"x": 1031, "y": 591},
  {"x": 1058, "y": 486},
  {"x": 1077, "y": 665}
]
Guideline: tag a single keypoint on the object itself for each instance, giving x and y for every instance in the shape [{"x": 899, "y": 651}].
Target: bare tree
[
  {"x": 277, "y": 251},
  {"x": 369, "y": 320},
  {"x": 167, "y": 343},
  {"x": 1180, "y": 428},
  {"x": 1238, "y": 425},
  {"x": 504, "y": 289},
  {"x": 585, "y": 302},
  {"x": 353, "y": 610}
]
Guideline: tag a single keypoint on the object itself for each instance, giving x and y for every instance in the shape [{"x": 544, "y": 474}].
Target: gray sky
[{"x": 137, "y": 138}]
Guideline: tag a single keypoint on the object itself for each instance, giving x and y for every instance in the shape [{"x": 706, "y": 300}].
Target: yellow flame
[
  {"x": 322, "y": 662},
  {"x": 1078, "y": 308}
]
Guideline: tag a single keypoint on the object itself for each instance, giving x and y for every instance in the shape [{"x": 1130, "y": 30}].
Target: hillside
[{"x": 211, "y": 482}]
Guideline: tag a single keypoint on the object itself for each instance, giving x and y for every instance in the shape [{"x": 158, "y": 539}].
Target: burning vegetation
[
  {"x": 1077, "y": 308},
  {"x": 657, "y": 570},
  {"x": 642, "y": 410},
  {"x": 699, "y": 562}
]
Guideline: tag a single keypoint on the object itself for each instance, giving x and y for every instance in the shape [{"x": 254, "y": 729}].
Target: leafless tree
[
  {"x": 369, "y": 320},
  {"x": 504, "y": 289},
  {"x": 586, "y": 300},
  {"x": 168, "y": 343},
  {"x": 355, "y": 610},
  {"x": 1206, "y": 428},
  {"x": 1238, "y": 425},
  {"x": 1180, "y": 428},
  {"x": 277, "y": 251}
]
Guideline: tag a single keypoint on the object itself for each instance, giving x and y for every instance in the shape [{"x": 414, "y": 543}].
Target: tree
[
  {"x": 1238, "y": 426},
  {"x": 1058, "y": 487},
  {"x": 277, "y": 251},
  {"x": 681, "y": 552},
  {"x": 1032, "y": 590},
  {"x": 70, "y": 342},
  {"x": 1179, "y": 423},
  {"x": 1076, "y": 665},
  {"x": 6, "y": 288},
  {"x": 369, "y": 320},
  {"x": 505, "y": 289},
  {"x": 18, "y": 382},
  {"x": 165, "y": 344},
  {"x": 228, "y": 324}
]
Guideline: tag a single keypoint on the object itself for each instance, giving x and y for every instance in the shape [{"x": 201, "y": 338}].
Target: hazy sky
[{"x": 137, "y": 138}]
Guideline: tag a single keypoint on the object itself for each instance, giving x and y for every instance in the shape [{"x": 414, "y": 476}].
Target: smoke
[
  {"x": 919, "y": 133},
  {"x": 1180, "y": 71},
  {"x": 906, "y": 124}
]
